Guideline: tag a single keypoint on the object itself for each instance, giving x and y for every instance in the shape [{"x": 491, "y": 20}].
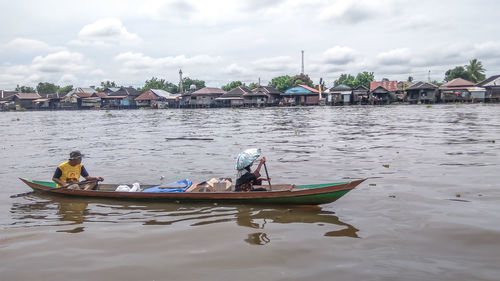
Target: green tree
[
  {"x": 187, "y": 82},
  {"x": 65, "y": 89},
  {"x": 232, "y": 85},
  {"x": 410, "y": 79},
  {"x": 281, "y": 83},
  {"x": 476, "y": 71},
  {"x": 46, "y": 88},
  {"x": 302, "y": 79},
  {"x": 252, "y": 86},
  {"x": 363, "y": 79},
  {"x": 25, "y": 89},
  {"x": 457, "y": 72},
  {"x": 346, "y": 79},
  {"x": 108, "y": 84},
  {"x": 473, "y": 72}
]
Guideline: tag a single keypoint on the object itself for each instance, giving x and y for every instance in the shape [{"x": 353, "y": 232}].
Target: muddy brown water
[{"x": 432, "y": 213}]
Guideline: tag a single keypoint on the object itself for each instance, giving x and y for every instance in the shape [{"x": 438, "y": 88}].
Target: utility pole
[
  {"x": 180, "y": 81},
  {"x": 302, "y": 69},
  {"x": 259, "y": 81},
  {"x": 429, "y": 76}
]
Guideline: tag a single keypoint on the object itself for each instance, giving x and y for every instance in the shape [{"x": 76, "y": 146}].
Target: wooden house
[
  {"x": 492, "y": 86},
  {"x": 301, "y": 95},
  {"x": 340, "y": 95},
  {"x": 158, "y": 98},
  {"x": 422, "y": 92},
  {"x": 256, "y": 98},
  {"x": 401, "y": 94},
  {"x": 123, "y": 97},
  {"x": 233, "y": 98},
  {"x": 111, "y": 90},
  {"x": 361, "y": 95},
  {"x": 205, "y": 97},
  {"x": 24, "y": 100},
  {"x": 461, "y": 90},
  {"x": 6, "y": 102},
  {"x": 383, "y": 92},
  {"x": 80, "y": 98},
  {"x": 272, "y": 94}
]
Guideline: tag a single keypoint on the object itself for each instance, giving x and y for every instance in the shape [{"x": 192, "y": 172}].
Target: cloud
[
  {"x": 350, "y": 11},
  {"x": 133, "y": 62},
  {"x": 104, "y": 33},
  {"x": 395, "y": 57},
  {"x": 63, "y": 61},
  {"x": 275, "y": 64},
  {"x": 489, "y": 49},
  {"x": 339, "y": 55},
  {"x": 235, "y": 69},
  {"x": 25, "y": 45}
]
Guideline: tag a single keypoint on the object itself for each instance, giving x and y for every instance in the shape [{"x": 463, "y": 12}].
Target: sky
[{"x": 83, "y": 43}]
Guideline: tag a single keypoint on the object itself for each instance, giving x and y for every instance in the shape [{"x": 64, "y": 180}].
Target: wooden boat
[{"x": 313, "y": 194}]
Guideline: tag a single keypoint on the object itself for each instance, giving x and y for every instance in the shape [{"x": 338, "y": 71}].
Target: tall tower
[
  {"x": 180, "y": 81},
  {"x": 302, "y": 69}
]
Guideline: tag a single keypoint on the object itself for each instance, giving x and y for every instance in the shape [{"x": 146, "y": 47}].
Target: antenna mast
[{"x": 302, "y": 69}]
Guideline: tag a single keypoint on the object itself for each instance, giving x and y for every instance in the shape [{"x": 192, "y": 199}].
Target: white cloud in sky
[
  {"x": 274, "y": 64},
  {"x": 26, "y": 45},
  {"x": 340, "y": 55},
  {"x": 63, "y": 61},
  {"x": 235, "y": 69},
  {"x": 352, "y": 11},
  {"x": 395, "y": 57},
  {"x": 105, "y": 32}
]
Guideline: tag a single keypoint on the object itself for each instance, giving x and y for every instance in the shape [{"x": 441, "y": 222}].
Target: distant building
[
  {"x": 492, "y": 86},
  {"x": 273, "y": 95},
  {"x": 461, "y": 90},
  {"x": 339, "y": 95},
  {"x": 205, "y": 97},
  {"x": 233, "y": 98},
  {"x": 383, "y": 92},
  {"x": 301, "y": 95},
  {"x": 422, "y": 92},
  {"x": 157, "y": 98}
]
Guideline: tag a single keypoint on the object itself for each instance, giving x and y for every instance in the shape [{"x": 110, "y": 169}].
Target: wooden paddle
[
  {"x": 267, "y": 175},
  {"x": 31, "y": 192}
]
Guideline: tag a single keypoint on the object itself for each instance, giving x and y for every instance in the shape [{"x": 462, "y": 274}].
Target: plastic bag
[
  {"x": 135, "y": 187},
  {"x": 123, "y": 188}
]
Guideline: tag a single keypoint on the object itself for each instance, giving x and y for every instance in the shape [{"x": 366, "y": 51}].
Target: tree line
[{"x": 473, "y": 72}]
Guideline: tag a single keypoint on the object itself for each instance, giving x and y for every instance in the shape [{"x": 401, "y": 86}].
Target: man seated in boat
[
  {"x": 67, "y": 174},
  {"x": 246, "y": 179}
]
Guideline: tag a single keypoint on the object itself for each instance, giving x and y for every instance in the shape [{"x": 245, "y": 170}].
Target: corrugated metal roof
[
  {"x": 236, "y": 92},
  {"x": 489, "y": 80},
  {"x": 391, "y": 86},
  {"x": 422, "y": 85},
  {"x": 341, "y": 87},
  {"x": 28, "y": 96},
  {"x": 301, "y": 90},
  {"x": 309, "y": 88},
  {"x": 161, "y": 93},
  {"x": 458, "y": 82},
  {"x": 209, "y": 91}
]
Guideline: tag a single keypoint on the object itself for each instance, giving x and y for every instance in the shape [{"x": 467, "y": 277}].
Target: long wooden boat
[{"x": 313, "y": 194}]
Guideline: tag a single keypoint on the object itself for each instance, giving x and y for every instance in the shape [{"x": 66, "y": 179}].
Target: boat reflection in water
[{"x": 41, "y": 210}]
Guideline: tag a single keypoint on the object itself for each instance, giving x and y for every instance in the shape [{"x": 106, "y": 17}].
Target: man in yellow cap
[{"x": 67, "y": 174}]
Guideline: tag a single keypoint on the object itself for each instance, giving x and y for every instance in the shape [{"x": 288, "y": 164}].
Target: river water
[{"x": 430, "y": 211}]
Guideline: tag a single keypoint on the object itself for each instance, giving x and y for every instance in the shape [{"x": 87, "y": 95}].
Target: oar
[
  {"x": 31, "y": 192},
  {"x": 267, "y": 175}
]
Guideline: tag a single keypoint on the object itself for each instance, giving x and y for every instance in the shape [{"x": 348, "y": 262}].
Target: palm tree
[{"x": 476, "y": 71}]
